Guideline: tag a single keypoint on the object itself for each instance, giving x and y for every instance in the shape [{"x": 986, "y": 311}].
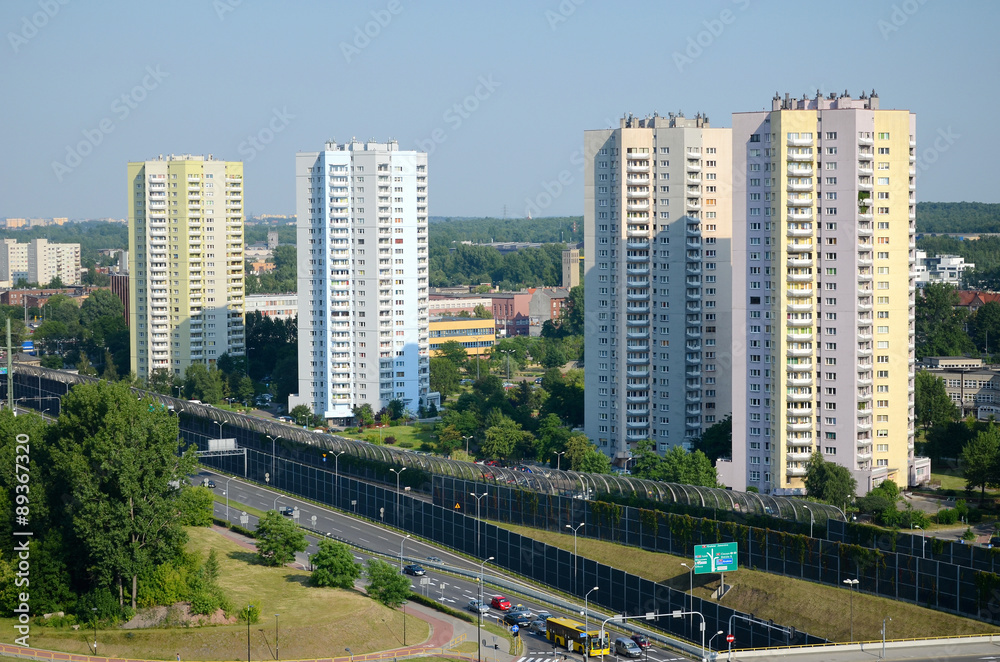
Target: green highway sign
[{"x": 720, "y": 557}]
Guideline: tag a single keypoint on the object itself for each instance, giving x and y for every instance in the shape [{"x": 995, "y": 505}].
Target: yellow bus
[{"x": 571, "y": 635}]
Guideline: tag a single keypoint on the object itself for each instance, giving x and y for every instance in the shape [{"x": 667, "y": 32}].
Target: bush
[
  {"x": 250, "y": 612},
  {"x": 196, "y": 504},
  {"x": 969, "y": 534},
  {"x": 390, "y": 440},
  {"x": 947, "y": 516},
  {"x": 444, "y": 609}
]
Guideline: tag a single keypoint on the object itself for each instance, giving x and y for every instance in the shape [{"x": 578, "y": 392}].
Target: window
[
  {"x": 883, "y": 181},
  {"x": 829, "y": 165},
  {"x": 830, "y": 135},
  {"x": 883, "y": 150},
  {"x": 883, "y": 135},
  {"x": 882, "y": 448}
]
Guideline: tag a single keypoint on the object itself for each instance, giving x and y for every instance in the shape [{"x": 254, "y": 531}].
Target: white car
[{"x": 477, "y": 607}]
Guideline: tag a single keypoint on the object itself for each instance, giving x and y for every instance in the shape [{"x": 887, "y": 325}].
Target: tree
[
  {"x": 202, "y": 383},
  {"x": 116, "y": 463},
  {"x": 110, "y": 373},
  {"x": 694, "y": 468},
  {"x": 453, "y": 351},
  {"x": 584, "y": 456},
  {"x": 985, "y": 325},
  {"x": 981, "y": 461},
  {"x": 301, "y": 414},
  {"x": 84, "y": 367},
  {"x": 100, "y": 303},
  {"x": 449, "y": 439},
  {"x": 245, "y": 391},
  {"x": 333, "y": 565},
  {"x": 444, "y": 375},
  {"x": 939, "y": 324},
  {"x": 278, "y": 539},
  {"x": 504, "y": 438},
  {"x": 932, "y": 404},
  {"x": 395, "y": 409},
  {"x": 571, "y": 319},
  {"x": 364, "y": 415},
  {"x": 717, "y": 441},
  {"x": 480, "y": 312},
  {"x": 385, "y": 584},
  {"x": 195, "y": 504},
  {"x": 829, "y": 482}
]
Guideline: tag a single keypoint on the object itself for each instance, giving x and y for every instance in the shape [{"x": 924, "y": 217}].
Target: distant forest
[
  {"x": 958, "y": 217},
  {"x": 91, "y": 235}
]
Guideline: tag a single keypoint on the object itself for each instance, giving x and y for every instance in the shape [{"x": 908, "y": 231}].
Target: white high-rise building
[
  {"x": 362, "y": 278},
  {"x": 14, "y": 261},
  {"x": 824, "y": 221},
  {"x": 657, "y": 229},
  {"x": 185, "y": 261},
  {"x": 47, "y": 261}
]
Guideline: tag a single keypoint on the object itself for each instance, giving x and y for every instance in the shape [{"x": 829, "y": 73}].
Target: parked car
[
  {"x": 538, "y": 626},
  {"x": 641, "y": 640},
  {"x": 477, "y": 607},
  {"x": 627, "y": 647},
  {"x": 500, "y": 602},
  {"x": 413, "y": 569}
]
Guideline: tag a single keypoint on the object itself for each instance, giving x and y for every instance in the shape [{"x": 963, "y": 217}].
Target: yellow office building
[
  {"x": 476, "y": 335},
  {"x": 185, "y": 216}
]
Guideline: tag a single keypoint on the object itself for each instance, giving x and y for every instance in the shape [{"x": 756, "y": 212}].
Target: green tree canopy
[
  {"x": 100, "y": 303},
  {"x": 505, "y": 439},
  {"x": 278, "y": 539},
  {"x": 385, "y": 584},
  {"x": 333, "y": 565},
  {"x": 717, "y": 441},
  {"x": 932, "y": 404},
  {"x": 829, "y": 482},
  {"x": 981, "y": 461},
  {"x": 444, "y": 375},
  {"x": 939, "y": 325}
]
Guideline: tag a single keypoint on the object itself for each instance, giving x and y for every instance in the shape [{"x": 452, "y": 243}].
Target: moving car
[
  {"x": 538, "y": 627},
  {"x": 286, "y": 511},
  {"x": 641, "y": 640},
  {"x": 210, "y": 484},
  {"x": 434, "y": 559},
  {"x": 519, "y": 619},
  {"x": 500, "y": 602},
  {"x": 413, "y": 569},
  {"x": 627, "y": 647},
  {"x": 477, "y": 607},
  {"x": 521, "y": 609}
]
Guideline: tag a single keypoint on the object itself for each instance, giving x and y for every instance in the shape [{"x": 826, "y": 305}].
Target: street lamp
[
  {"x": 559, "y": 459},
  {"x": 273, "y": 439},
  {"x": 575, "y": 529},
  {"x": 851, "y": 583},
  {"x": 713, "y": 639},
  {"x": 478, "y": 498},
  {"x": 586, "y": 614},
  {"x": 690, "y": 592},
  {"x": 884, "y": 621},
  {"x": 466, "y": 438},
  {"x": 178, "y": 391},
  {"x": 350, "y": 653},
  {"x": 680, "y": 614},
  {"x": 276, "y": 637},
  {"x": 220, "y": 424},
  {"x": 336, "y": 467},
  {"x": 275, "y": 506},
  {"x": 401, "y": 551},
  {"x": 227, "y": 497},
  {"x": 94, "y": 609},
  {"x": 923, "y": 538},
  {"x": 479, "y": 610},
  {"x": 398, "y": 474},
  {"x": 811, "y": 521}
]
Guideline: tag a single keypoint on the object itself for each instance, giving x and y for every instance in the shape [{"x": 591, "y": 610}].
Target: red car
[
  {"x": 641, "y": 640},
  {"x": 500, "y": 602}
]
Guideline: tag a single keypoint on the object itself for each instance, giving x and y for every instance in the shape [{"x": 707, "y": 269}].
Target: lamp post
[
  {"x": 398, "y": 474},
  {"x": 273, "y": 439},
  {"x": 811, "y": 521},
  {"x": 691, "y": 591},
  {"x": 923, "y": 538},
  {"x": 586, "y": 614},
  {"x": 401, "y": 552},
  {"x": 276, "y": 637},
  {"x": 851, "y": 583},
  {"x": 559, "y": 460},
  {"x": 884, "y": 621},
  {"x": 404, "y": 621},
  {"x": 249, "y": 607},
  {"x": 575, "y": 529},
  {"x": 478, "y": 498},
  {"x": 227, "y": 497},
  {"x": 336, "y": 469},
  {"x": 680, "y": 614},
  {"x": 178, "y": 391},
  {"x": 350, "y": 653},
  {"x": 94, "y": 609},
  {"x": 713, "y": 639},
  {"x": 479, "y": 610},
  {"x": 466, "y": 438},
  {"x": 220, "y": 424},
  {"x": 275, "y": 506}
]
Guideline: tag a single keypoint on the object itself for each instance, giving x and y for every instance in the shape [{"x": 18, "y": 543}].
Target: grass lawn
[
  {"x": 313, "y": 622},
  {"x": 407, "y": 436},
  {"x": 817, "y": 609}
]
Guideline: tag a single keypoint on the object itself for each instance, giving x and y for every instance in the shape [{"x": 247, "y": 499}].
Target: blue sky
[{"x": 499, "y": 93}]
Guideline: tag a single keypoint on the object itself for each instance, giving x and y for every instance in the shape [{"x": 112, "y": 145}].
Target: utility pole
[{"x": 10, "y": 371}]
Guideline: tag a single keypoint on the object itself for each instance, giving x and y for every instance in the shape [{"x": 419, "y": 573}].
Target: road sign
[
  {"x": 720, "y": 557},
  {"x": 730, "y": 638},
  {"x": 514, "y": 628}
]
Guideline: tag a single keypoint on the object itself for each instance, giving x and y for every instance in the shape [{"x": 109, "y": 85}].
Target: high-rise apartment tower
[
  {"x": 823, "y": 238},
  {"x": 185, "y": 262},
  {"x": 362, "y": 278},
  {"x": 657, "y": 229}
]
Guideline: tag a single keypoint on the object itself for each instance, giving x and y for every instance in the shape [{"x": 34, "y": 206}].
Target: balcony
[
  {"x": 800, "y": 293},
  {"x": 636, "y": 361},
  {"x": 864, "y": 457},
  {"x": 800, "y": 142},
  {"x": 637, "y": 233},
  {"x": 865, "y": 170},
  {"x": 637, "y": 399},
  {"x": 694, "y": 180},
  {"x": 636, "y": 205},
  {"x": 864, "y": 261},
  {"x": 866, "y": 140},
  {"x": 794, "y": 441},
  {"x": 863, "y": 381},
  {"x": 800, "y": 247},
  {"x": 799, "y": 351},
  {"x": 799, "y": 170},
  {"x": 693, "y": 307},
  {"x": 865, "y": 304},
  {"x": 799, "y": 381},
  {"x": 800, "y": 307},
  {"x": 638, "y": 296},
  {"x": 637, "y": 270},
  {"x": 865, "y": 184},
  {"x": 637, "y": 194},
  {"x": 637, "y": 156},
  {"x": 637, "y": 245},
  {"x": 799, "y": 232},
  {"x": 799, "y": 367},
  {"x": 637, "y": 282},
  {"x": 693, "y": 296},
  {"x": 692, "y": 360},
  {"x": 637, "y": 168},
  {"x": 797, "y": 457},
  {"x": 865, "y": 230},
  {"x": 637, "y": 424},
  {"x": 799, "y": 321},
  {"x": 913, "y": 171},
  {"x": 795, "y": 471},
  {"x": 693, "y": 268},
  {"x": 800, "y": 334},
  {"x": 637, "y": 335},
  {"x": 693, "y": 166},
  {"x": 637, "y": 372},
  {"x": 801, "y": 201},
  {"x": 693, "y": 243},
  {"x": 694, "y": 152},
  {"x": 642, "y": 322},
  {"x": 865, "y": 215},
  {"x": 800, "y": 156},
  {"x": 796, "y": 261},
  {"x": 693, "y": 397},
  {"x": 693, "y": 205},
  {"x": 867, "y": 351},
  {"x": 637, "y": 308},
  {"x": 644, "y": 180}
]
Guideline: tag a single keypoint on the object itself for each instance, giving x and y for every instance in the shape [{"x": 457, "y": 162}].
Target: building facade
[
  {"x": 362, "y": 277},
  {"x": 49, "y": 261},
  {"x": 14, "y": 261},
  {"x": 823, "y": 251},
  {"x": 657, "y": 228},
  {"x": 276, "y": 306},
  {"x": 477, "y": 335},
  {"x": 185, "y": 262},
  {"x": 571, "y": 268}
]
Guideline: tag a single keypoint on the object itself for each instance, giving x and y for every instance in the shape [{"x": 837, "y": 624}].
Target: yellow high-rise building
[{"x": 185, "y": 216}]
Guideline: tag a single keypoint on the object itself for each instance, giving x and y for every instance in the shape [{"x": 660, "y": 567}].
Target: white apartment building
[
  {"x": 276, "y": 306},
  {"x": 185, "y": 259},
  {"x": 657, "y": 236},
  {"x": 823, "y": 310},
  {"x": 362, "y": 277},
  {"x": 13, "y": 261},
  {"x": 941, "y": 269},
  {"x": 48, "y": 261}
]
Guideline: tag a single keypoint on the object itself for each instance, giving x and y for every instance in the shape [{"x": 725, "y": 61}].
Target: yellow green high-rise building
[{"x": 186, "y": 268}]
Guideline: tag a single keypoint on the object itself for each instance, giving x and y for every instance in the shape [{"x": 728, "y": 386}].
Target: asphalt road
[{"x": 456, "y": 592}]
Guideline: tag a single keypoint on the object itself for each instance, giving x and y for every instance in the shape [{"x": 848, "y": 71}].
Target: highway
[{"x": 454, "y": 591}]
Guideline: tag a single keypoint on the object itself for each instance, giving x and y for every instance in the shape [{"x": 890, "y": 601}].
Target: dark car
[
  {"x": 210, "y": 484},
  {"x": 519, "y": 619},
  {"x": 434, "y": 559},
  {"x": 521, "y": 609},
  {"x": 641, "y": 640},
  {"x": 286, "y": 511},
  {"x": 413, "y": 569}
]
